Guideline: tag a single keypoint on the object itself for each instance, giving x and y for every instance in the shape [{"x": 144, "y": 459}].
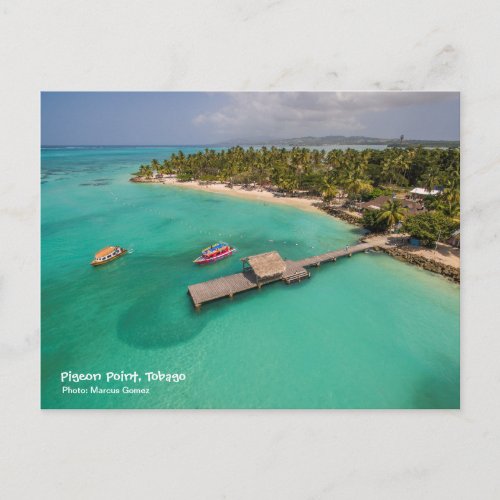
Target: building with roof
[
  {"x": 266, "y": 266},
  {"x": 413, "y": 207},
  {"x": 421, "y": 192},
  {"x": 454, "y": 239}
]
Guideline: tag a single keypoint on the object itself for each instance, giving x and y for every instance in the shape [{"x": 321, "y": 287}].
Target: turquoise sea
[{"x": 365, "y": 332}]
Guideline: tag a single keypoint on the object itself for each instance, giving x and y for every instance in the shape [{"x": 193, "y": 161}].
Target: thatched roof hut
[
  {"x": 266, "y": 266},
  {"x": 413, "y": 207}
]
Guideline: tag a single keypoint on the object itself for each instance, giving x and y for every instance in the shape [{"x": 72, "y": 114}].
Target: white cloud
[{"x": 292, "y": 114}]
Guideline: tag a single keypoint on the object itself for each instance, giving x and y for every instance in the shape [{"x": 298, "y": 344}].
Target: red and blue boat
[{"x": 215, "y": 252}]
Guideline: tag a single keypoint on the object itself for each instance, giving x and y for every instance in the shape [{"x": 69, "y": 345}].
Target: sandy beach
[
  {"x": 258, "y": 194},
  {"x": 442, "y": 254}
]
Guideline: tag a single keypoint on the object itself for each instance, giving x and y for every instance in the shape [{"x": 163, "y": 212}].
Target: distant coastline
[
  {"x": 342, "y": 140},
  {"x": 330, "y": 140}
]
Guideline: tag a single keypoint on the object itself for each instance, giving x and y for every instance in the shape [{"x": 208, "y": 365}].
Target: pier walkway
[
  {"x": 294, "y": 271},
  {"x": 333, "y": 256}
]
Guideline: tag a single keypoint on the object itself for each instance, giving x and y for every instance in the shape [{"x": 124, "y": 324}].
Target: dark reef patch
[{"x": 100, "y": 183}]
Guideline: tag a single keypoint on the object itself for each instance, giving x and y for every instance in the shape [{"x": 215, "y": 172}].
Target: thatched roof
[
  {"x": 412, "y": 206},
  {"x": 376, "y": 203},
  {"x": 267, "y": 265}
]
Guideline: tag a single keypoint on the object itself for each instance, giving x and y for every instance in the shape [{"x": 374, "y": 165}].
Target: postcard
[{"x": 250, "y": 250}]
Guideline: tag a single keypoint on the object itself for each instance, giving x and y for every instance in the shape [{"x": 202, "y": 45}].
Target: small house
[
  {"x": 413, "y": 207},
  {"x": 266, "y": 266},
  {"x": 422, "y": 193},
  {"x": 454, "y": 239}
]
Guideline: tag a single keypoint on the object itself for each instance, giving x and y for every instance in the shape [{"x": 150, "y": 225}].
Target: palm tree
[
  {"x": 145, "y": 171},
  {"x": 356, "y": 187},
  {"x": 432, "y": 177},
  {"x": 450, "y": 208},
  {"x": 155, "y": 164},
  {"x": 351, "y": 174},
  {"x": 329, "y": 191},
  {"x": 391, "y": 213},
  {"x": 396, "y": 166}
]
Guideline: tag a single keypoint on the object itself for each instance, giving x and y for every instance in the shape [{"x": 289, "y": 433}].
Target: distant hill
[{"x": 341, "y": 140}]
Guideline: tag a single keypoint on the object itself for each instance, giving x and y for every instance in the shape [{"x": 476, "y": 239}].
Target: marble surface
[{"x": 237, "y": 45}]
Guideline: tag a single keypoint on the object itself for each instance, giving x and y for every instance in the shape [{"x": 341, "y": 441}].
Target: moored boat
[
  {"x": 108, "y": 254},
  {"x": 215, "y": 252}
]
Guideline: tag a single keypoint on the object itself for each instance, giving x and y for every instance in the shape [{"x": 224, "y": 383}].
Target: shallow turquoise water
[{"x": 366, "y": 332}]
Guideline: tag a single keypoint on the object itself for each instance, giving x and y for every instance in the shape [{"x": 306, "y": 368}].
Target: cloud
[{"x": 292, "y": 114}]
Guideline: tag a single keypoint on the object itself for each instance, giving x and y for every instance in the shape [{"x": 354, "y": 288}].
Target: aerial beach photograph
[{"x": 250, "y": 250}]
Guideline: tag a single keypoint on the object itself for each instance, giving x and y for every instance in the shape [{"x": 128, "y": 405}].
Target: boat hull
[
  {"x": 96, "y": 263},
  {"x": 210, "y": 260}
]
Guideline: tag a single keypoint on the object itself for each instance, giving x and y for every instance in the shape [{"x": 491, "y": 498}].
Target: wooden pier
[
  {"x": 333, "y": 256},
  {"x": 263, "y": 269}
]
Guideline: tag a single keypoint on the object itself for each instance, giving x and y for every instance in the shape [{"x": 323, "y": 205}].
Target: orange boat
[{"x": 108, "y": 254}]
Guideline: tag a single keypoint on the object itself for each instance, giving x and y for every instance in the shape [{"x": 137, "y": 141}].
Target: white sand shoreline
[{"x": 256, "y": 194}]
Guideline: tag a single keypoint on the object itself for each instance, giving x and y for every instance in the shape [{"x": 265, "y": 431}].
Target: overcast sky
[{"x": 181, "y": 118}]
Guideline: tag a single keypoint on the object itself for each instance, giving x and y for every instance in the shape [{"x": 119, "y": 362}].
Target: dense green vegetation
[
  {"x": 375, "y": 193},
  {"x": 301, "y": 169},
  {"x": 348, "y": 175},
  {"x": 430, "y": 227},
  {"x": 390, "y": 214},
  {"x": 372, "y": 222}
]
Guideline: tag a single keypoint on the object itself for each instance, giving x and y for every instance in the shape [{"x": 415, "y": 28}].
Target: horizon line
[{"x": 228, "y": 142}]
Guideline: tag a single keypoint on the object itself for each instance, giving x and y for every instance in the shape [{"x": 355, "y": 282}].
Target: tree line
[{"x": 314, "y": 171}]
